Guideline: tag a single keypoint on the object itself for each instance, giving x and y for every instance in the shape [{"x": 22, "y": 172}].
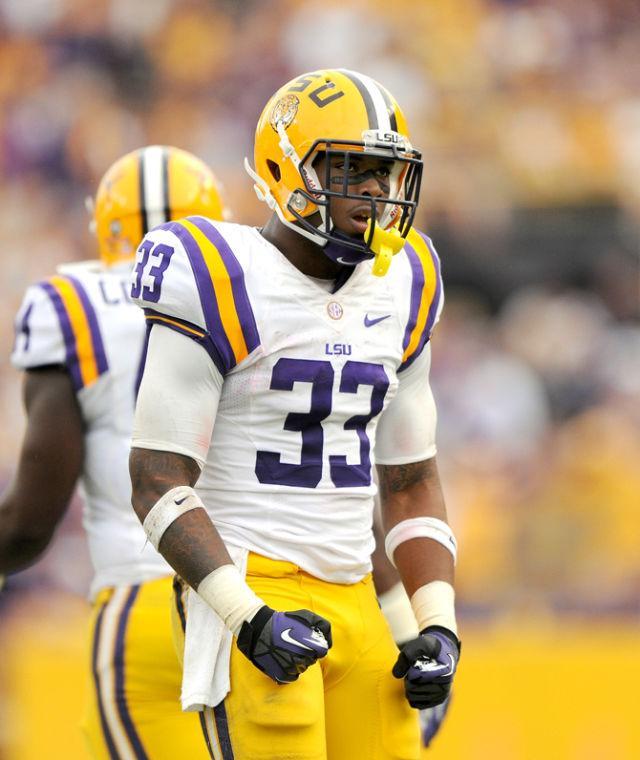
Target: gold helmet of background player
[
  {"x": 148, "y": 187},
  {"x": 332, "y": 111}
]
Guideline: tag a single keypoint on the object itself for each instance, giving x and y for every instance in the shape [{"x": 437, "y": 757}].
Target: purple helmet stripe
[
  {"x": 118, "y": 664},
  {"x": 97, "y": 633},
  {"x": 92, "y": 319},
  {"x": 71, "y": 362},
  {"x": 236, "y": 275}
]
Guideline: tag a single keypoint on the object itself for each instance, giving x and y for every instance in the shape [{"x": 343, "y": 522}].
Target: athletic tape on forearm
[
  {"x": 434, "y": 604},
  {"x": 228, "y": 594},
  {"x": 168, "y": 509},
  {"x": 420, "y": 527},
  {"x": 396, "y": 608}
]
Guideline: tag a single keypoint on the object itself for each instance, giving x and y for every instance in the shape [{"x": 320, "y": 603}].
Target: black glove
[
  {"x": 428, "y": 664},
  {"x": 283, "y": 644}
]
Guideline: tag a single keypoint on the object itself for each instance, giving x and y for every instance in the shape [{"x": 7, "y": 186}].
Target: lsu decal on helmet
[
  {"x": 146, "y": 188},
  {"x": 341, "y": 114}
]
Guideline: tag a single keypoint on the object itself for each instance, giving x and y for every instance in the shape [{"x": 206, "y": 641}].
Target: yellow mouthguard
[{"x": 385, "y": 244}]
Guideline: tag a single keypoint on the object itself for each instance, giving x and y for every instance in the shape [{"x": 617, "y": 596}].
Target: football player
[
  {"x": 278, "y": 359},
  {"x": 80, "y": 341}
]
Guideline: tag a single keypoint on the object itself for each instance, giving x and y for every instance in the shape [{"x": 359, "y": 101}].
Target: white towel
[{"x": 207, "y": 649}]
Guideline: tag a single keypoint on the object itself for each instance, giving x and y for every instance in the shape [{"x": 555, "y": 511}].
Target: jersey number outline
[
  {"x": 157, "y": 258},
  {"x": 269, "y": 467}
]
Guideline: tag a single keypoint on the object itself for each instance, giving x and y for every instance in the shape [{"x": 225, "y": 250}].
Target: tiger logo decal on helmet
[
  {"x": 339, "y": 113},
  {"x": 284, "y": 111},
  {"x": 148, "y": 187}
]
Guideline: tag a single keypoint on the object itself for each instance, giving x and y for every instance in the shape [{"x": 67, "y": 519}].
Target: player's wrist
[
  {"x": 442, "y": 631},
  {"x": 396, "y": 608},
  {"x": 434, "y": 605},
  {"x": 230, "y": 597}
]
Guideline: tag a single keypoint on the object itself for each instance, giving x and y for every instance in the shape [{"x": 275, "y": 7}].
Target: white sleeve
[
  {"x": 407, "y": 428},
  {"x": 178, "y": 396},
  {"x": 39, "y": 339}
]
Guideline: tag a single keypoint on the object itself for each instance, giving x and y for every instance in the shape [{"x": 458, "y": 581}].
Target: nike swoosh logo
[
  {"x": 370, "y": 322},
  {"x": 180, "y": 501},
  {"x": 286, "y": 636},
  {"x": 341, "y": 260}
]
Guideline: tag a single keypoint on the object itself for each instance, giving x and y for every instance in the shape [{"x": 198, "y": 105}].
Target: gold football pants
[
  {"x": 133, "y": 710},
  {"x": 348, "y": 706}
]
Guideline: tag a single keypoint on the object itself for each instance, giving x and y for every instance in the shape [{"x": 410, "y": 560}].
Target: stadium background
[{"x": 528, "y": 114}]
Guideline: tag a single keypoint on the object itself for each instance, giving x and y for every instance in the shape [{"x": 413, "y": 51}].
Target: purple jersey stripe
[
  {"x": 92, "y": 319},
  {"x": 217, "y": 334},
  {"x": 191, "y": 331},
  {"x": 118, "y": 664},
  {"x": 418, "y": 277},
  {"x": 222, "y": 724},
  {"x": 143, "y": 360},
  {"x": 96, "y": 679},
  {"x": 71, "y": 362},
  {"x": 433, "y": 309},
  {"x": 236, "y": 275},
  {"x": 416, "y": 292}
]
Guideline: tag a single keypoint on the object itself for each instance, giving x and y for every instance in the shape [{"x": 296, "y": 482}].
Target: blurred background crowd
[{"x": 528, "y": 116}]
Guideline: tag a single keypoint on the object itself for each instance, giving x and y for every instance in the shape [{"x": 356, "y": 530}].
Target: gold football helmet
[
  {"x": 338, "y": 113},
  {"x": 146, "y": 188}
]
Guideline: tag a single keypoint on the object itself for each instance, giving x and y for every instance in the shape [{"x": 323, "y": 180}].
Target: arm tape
[
  {"x": 420, "y": 527},
  {"x": 228, "y": 594},
  {"x": 433, "y": 604},
  {"x": 398, "y": 612},
  {"x": 168, "y": 509}
]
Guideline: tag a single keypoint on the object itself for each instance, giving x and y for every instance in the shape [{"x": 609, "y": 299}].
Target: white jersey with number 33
[{"x": 307, "y": 375}]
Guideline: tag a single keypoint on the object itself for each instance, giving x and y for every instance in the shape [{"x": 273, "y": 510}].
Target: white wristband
[
  {"x": 420, "y": 527},
  {"x": 168, "y": 509},
  {"x": 433, "y": 604},
  {"x": 397, "y": 610},
  {"x": 228, "y": 594}
]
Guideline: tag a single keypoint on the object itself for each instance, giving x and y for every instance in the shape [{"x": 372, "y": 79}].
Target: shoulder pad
[
  {"x": 426, "y": 296},
  {"x": 57, "y": 324},
  {"x": 188, "y": 278}
]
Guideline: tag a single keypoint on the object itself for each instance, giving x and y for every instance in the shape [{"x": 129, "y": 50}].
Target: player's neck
[{"x": 304, "y": 254}]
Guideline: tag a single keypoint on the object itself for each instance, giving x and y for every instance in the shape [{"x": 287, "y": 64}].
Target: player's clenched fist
[
  {"x": 284, "y": 644},
  {"x": 427, "y": 665}
]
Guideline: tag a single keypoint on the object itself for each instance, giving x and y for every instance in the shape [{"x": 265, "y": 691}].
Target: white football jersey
[
  {"x": 307, "y": 374},
  {"x": 83, "y": 319}
]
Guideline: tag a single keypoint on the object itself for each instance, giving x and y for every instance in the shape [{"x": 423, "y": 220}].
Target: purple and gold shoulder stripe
[
  {"x": 232, "y": 333},
  {"x": 85, "y": 357},
  {"x": 426, "y": 295}
]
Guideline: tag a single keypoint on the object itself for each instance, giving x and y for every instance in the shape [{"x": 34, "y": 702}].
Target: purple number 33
[
  {"x": 159, "y": 257},
  {"x": 286, "y": 372}
]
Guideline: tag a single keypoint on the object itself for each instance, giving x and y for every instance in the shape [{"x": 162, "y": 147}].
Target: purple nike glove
[
  {"x": 283, "y": 644},
  {"x": 427, "y": 665}
]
